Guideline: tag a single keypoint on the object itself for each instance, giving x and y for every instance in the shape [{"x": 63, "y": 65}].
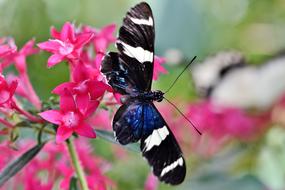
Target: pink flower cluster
[
  {"x": 83, "y": 49},
  {"x": 219, "y": 124},
  {"x": 16, "y": 84},
  {"x": 80, "y": 97},
  {"x": 53, "y": 161}
]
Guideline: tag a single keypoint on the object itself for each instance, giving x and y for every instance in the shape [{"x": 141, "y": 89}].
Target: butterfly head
[{"x": 158, "y": 95}]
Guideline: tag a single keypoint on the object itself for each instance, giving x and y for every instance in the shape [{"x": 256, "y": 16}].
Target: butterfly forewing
[
  {"x": 136, "y": 43},
  {"x": 119, "y": 75}
]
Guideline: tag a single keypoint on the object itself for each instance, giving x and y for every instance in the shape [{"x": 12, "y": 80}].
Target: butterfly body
[
  {"x": 129, "y": 71},
  {"x": 144, "y": 97}
]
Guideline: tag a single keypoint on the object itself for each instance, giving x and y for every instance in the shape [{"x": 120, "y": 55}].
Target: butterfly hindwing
[
  {"x": 140, "y": 120},
  {"x": 127, "y": 124},
  {"x": 134, "y": 120},
  {"x": 163, "y": 153},
  {"x": 136, "y": 42}
]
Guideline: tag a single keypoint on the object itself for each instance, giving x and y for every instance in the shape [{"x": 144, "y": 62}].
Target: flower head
[
  {"x": 6, "y": 90},
  {"x": 151, "y": 182},
  {"x": 71, "y": 117},
  {"x": 7, "y": 48},
  {"x": 19, "y": 59},
  {"x": 102, "y": 38},
  {"x": 67, "y": 44}
]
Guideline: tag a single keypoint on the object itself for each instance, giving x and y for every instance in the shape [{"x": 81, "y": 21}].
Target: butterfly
[
  {"x": 129, "y": 71},
  {"x": 209, "y": 74},
  {"x": 224, "y": 76}
]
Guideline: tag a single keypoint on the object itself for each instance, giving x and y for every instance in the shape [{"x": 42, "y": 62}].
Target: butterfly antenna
[
  {"x": 197, "y": 130},
  {"x": 180, "y": 74}
]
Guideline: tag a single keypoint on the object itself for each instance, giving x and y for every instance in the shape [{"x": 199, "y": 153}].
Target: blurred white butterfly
[{"x": 227, "y": 80}]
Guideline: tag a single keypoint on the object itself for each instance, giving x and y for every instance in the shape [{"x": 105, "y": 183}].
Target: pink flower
[
  {"x": 103, "y": 38},
  {"x": 85, "y": 90},
  {"x": 71, "y": 117},
  {"x": 19, "y": 58},
  {"x": 219, "y": 124},
  {"x": 151, "y": 182},
  {"x": 7, "y": 49},
  {"x": 67, "y": 45},
  {"x": 101, "y": 119},
  {"x": 85, "y": 71},
  {"x": 158, "y": 68},
  {"x": 6, "y": 90}
]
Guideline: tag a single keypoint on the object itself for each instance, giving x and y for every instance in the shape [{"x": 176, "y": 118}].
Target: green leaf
[
  {"x": 73, "y": 185},
  {"x": 108, "y": 136},
  {"x": 15, "y": 166}
]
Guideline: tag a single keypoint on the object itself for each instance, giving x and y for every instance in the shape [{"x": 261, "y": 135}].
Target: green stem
[
  {"x": 76, "y": 164},
  {"x": 37, "y": 128}
]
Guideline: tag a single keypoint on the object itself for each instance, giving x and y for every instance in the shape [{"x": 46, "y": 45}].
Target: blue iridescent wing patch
[{"x": 134, "y": 120}]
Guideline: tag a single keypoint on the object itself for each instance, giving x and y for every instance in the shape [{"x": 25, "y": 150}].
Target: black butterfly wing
[
  {"x": 122, "y": 79},
  {"x": 140, "y": 120},
  {"x": 162, "y": 152},
  {"x": 136, "y": 43}
]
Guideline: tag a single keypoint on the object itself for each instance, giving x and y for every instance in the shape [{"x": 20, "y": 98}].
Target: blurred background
[{"x": 185, "y": 28}]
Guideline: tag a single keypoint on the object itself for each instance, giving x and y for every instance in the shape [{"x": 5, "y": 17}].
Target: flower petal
[
  {"x": 28, "y": 49},
  {"x": 67, "y": 102},
  {"x": 98, "y": 88},
  {"x": 63, "y": 133},
  {"x": 54, "y": 33},
  {"x": 92, "y": 106},
  {"x": 82, "y": 101},
  {"x": 50, "y": 46},
  {"x": 67, "y": 32},
  {"x": 53, "y": 116},
  {"x": 83, "y": 39},
  {"x": 54, "y": 59},
  {"x": 12, "y": 87},
  {"x": 99, "y": 58},
  {"x": 60, "y": 88},
  {"x": 85, "y": 130},
  {"x": 108, "y": 31}
]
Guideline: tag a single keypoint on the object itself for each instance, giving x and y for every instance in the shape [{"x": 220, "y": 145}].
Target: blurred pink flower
[
  {"x": 219, "y": 123},
  {"x": 19, "y": 58},
  {"x": 53, "y": 161},
  {"x": 151, "y": 182},
  {"x": 67, "y": 45},
  {"x": 7, "y": 48},
  {"x": 102, "y": 38},
  {"x": 157, "y": 67},
  {"x": 102, "y": 119},
  {"x": 6, "y": 91},
  {"x": 95, "y": 178},
  {"x": 71, "y": 117}
]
